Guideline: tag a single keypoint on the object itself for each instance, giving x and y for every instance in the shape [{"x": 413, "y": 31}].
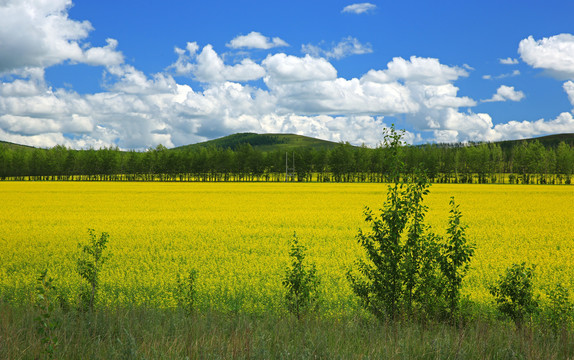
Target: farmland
[{"x": 236, "y": 236}]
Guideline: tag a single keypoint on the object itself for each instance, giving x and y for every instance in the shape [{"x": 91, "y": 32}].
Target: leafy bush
[
  {"x": 514, "y": 293},
  {"x": 186, "y": 292},
  {"x": 558, "y": 313},
  {"x": 47, "y": 322},
  {"x": 408, "y": 268},
  {"x": 455, "y": 258},
  {"x": 301, "y": 281},
  {"x": 89, "y": 266}
]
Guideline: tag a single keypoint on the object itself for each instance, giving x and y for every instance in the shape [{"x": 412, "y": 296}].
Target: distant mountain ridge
[{"x": 272, "y": 142}]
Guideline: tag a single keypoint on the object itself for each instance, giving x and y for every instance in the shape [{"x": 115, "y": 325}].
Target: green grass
[{"x": 145, "y": 333}]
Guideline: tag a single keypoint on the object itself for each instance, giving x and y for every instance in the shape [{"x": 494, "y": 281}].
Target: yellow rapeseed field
[{"x": 237, "y": 236}]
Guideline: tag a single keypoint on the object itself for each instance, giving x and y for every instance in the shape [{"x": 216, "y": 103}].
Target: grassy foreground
[{"x": 139, "y": 333}]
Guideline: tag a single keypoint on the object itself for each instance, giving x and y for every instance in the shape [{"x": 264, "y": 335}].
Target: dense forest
[{"x": 526, "y": 162}]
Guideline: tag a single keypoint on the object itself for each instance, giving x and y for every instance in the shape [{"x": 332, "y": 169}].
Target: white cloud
[
  {"x": 37, "y": 33},
  {"x": 508, "y": 61},
  {"x": 359, "y": 8},
  {"x": 564, "y": 123},
  {"x": 255, "y": 40},
  {"x": 105, "y": 56},
  {"x": 504, "y": 93},
  {"x": 439, "y": 96},
  {"x": 417, "y": 69},
  {"x": 346, "y": 47},
  {"x": 183, "y": 65},
  {"x": 343, "y": 97},
  {"x": 209, "y": 66},
  {"x": 463, "y": 127},
  {"x": 554, "y": 54},
  {"x": 303, "y": 95},
  {"x": 569, "y": 88},
  {"x": 284, "y": 68},
  {"x": 502, "y": 76}
]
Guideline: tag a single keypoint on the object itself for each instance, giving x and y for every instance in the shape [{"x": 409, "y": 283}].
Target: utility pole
[
  {"x": 289, "y": 172},
  {"x": 286, "y": 166}
]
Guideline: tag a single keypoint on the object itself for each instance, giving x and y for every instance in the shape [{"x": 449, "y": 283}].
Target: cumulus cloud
[
  {"x": 554, "y": 54},
  {"x": 346, "y": 47},
  {"x": 282, "y": 68},
  {"x": 255, "y": 40},
  {"x": 302, "y": 95},
  {"x": 359, "y": 8},
  {"x": 208, "y": 66},
  {"x": 508, "y": 61},
  {"x": 564, "y": 123},
  {"x": 183, "y": 65},
  {"x": 38, "y": 33},
  {"x": 569, "y": 88},
  {"x": 106, "y": 56},
  {"x": 416, "y": 69},
  {"x": 504, "y": 93}
]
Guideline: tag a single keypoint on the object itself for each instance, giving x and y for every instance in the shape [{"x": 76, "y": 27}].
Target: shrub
[
  {"x": 407, "y": 267},
  {"x": 186, "y": 292},
  {"x": 301, "y": 281},
  {"x": 89, "y": 266},
  {"x": 47, "y": 322},
  {"x": 455, "y": 258},
  {"x": 558, "y": 313},
  {"x": 514, "y": 293}
]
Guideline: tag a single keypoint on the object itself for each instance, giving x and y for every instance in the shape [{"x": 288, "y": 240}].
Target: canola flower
[{"x": 236, "y": 235}]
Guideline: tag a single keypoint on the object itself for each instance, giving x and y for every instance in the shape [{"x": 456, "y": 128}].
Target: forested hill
[
  {"x": 272, "y": 142},
  {"x": 262, "y": 142},
  {"x": 547, "y": 141},
  {"x": 13, "y": 146}
]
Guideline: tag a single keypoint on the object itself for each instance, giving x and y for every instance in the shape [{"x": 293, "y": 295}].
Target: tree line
[{"x": 528, "y": 162}]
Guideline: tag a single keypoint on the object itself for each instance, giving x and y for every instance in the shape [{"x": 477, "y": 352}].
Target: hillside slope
[
  {"x": 263, "y": 142},
  {"x": 272, "y": 142}
]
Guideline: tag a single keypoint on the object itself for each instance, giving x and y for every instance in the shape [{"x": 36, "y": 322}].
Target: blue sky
[{"x": 174, "y": 72}]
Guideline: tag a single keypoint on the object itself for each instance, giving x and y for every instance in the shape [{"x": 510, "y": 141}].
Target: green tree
[
  {"x": 407, "y": 267},
  {"x": 559, "y": 310},
  {"x": 514, "y": 293},
  {"x": 455, "y": 258},
  {"x": 47, "y": 322},
  {"x": 565, "y": 161},
  {"x": 300, "y": 281},
  {"x": 89, "y": 266},
  {"x": 391, "y": 275}
]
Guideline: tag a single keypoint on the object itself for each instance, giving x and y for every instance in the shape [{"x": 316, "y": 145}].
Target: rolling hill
[
  {"x": 272, "y": 142},
  {"x": 14, "y": 146},
  {"x": 262, "y": 142},
  {"x": 547, "y": 141}
]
